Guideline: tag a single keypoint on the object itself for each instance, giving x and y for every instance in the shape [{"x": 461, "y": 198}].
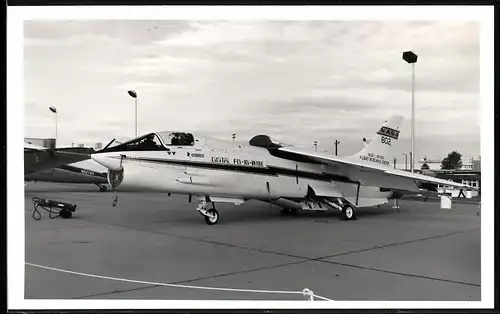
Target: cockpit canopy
[
  {"x": 152, "y": 141},
  {"x": 143, "y": 143}
]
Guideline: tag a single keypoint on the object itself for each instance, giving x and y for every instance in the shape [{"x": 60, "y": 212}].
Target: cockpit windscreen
[{"x": 144, "y": 143}]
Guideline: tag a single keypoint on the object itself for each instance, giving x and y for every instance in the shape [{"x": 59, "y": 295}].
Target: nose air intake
[{"x": 115, "y": 177}]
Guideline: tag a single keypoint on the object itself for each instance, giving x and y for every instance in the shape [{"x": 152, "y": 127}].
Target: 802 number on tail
[{"x": 385, "y": 140}]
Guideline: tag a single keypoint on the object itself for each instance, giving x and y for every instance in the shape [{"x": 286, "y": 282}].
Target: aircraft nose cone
[{"x": 110, "y": 162}]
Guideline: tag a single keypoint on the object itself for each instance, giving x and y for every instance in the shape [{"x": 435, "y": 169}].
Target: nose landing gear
[
  {"x": 211, "y": 215},
  {"x": 114, "y": 179}
]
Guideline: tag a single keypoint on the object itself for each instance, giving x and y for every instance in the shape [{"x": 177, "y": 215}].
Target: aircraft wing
[
  {"x": 40, "y": 158},
  {"x": 364, "y": 173}
]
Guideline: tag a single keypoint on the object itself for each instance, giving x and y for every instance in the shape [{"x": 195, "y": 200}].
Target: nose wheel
[{"x": 212, "y": 216}]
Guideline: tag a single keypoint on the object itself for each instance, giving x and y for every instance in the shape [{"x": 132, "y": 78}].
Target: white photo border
[{"x": 15, "y": 132}]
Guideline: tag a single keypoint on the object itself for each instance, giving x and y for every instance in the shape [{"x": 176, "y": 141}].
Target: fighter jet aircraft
[
  {"x": 213, "y": 171},
  {"x": 68, "y": 165}
]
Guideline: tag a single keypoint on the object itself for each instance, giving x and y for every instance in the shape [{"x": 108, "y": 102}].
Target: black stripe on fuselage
[
  {"x": 293, "y": 157},
  {"x": 269, "y": 170},
  {"x": 83, "y": 171}
]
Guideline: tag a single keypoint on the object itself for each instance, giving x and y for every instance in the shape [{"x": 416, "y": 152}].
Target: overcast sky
[{"x": 296, "y": 81}]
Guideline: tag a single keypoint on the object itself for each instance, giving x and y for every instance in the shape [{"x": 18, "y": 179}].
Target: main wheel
[
  {"x": 213, "y": 218},
  {"x": 102, "y": 188},
  {"x": 348, "y": 213}
]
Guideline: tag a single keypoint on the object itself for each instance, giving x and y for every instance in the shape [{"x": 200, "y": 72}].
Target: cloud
[
  {"x": 151, "y": 87},
  {"x": 296, "y": 80},
  {"x": 212, "y": 34}
]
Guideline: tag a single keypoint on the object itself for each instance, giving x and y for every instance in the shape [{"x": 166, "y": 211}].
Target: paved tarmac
[{"x": 421, "y": 253}]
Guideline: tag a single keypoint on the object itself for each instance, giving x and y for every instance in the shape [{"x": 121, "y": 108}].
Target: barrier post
[
  {"x": 445, "y": 201},
  {"x": 308, "y": 292},
  {"x": 396, "y": 205}
]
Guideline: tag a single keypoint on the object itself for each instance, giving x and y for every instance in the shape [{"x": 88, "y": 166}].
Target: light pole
[
  {"x": 336, "y": 143},
  {"x": 54, "y": 110},
  {"x": 133, "y": 94},
  {"x": 234, "y": 136},
  {"x": 406, "y": 160},
  {"x": 411, "y": 58},
  {"x": 411, "y": 159}
]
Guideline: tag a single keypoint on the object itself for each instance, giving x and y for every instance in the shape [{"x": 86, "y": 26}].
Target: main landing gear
[
  {"x": 211, "y": 215},
  {"x": 346, "y": 208},
  {"x": 348, "y": 212}
]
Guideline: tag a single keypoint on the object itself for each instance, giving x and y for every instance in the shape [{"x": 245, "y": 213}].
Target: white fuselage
[{"x": 248, "y": 173}]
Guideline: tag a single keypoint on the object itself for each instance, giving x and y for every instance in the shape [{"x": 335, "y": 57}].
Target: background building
[
  {"x": 434, "y": 163},
  {"x": 469, "y": 162},
  {"x": 44, "y": 142},
  {"x": 476, "y": 164},
  {"x": 469, "y": 173},
  {"x": 468, "y": 177}
]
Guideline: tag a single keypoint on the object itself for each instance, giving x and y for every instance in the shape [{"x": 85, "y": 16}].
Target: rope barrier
[{"x": 306, "y": 292}]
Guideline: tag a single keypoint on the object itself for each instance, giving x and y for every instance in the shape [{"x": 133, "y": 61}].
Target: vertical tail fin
[{"x": 378, "y": 150}]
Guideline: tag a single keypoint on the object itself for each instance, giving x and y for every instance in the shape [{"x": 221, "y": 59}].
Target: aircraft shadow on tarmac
[
  {"x": 252, "y": 211},
  {"x": 262, "y": 213}
]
